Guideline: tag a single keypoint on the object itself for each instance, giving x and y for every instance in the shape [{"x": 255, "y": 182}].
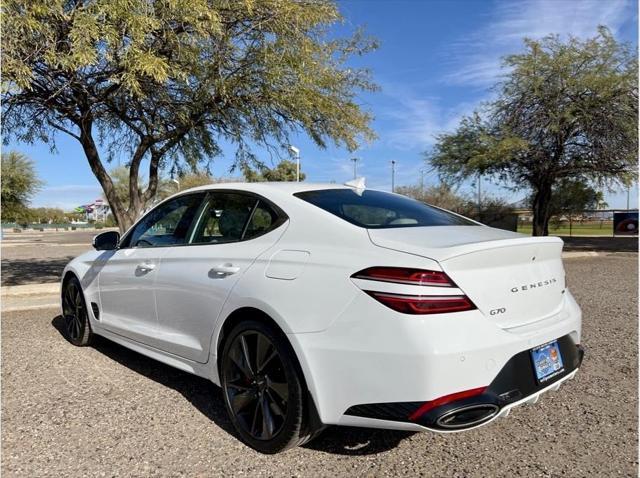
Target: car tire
[
  {"x": 257, "y": 361},
  {"x": 77, "y": 328}
]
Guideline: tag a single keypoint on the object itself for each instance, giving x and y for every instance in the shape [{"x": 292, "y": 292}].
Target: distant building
[{"x": 97, "y": 211}]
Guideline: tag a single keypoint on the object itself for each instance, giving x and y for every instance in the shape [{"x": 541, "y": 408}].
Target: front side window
[
  {"x": 380, "y": 210},
  {"x": 166, "y": 225}
]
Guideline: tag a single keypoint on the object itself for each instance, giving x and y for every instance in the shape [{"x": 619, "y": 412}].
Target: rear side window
[
  {"x": 380, "y": 210},
  {"x": 232, "y": 217},
  {"x": 264, "y": 219},
  {"x": 224, "y": 218}
]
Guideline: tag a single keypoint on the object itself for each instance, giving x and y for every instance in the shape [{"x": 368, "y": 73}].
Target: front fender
[{"x": 86, "y": 268}]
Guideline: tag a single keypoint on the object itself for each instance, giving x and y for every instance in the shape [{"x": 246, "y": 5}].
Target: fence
[
  {"x": 601, "y": 222},
  {"x": 41, "y": 227}
]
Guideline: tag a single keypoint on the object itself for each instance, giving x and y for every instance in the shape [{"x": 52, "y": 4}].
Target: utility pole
[
  {"x": 422, "y": 182},
  {"x": 355, "y": 167},
  {"x": 393, "y": 175}
]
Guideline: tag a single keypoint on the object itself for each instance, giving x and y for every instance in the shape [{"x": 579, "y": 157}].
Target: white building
[{"x": 97, "y": 211}]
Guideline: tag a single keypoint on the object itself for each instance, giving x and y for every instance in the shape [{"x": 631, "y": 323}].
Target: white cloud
[
  {"x": 67, "y": 197},
  {"x": 417, "y": 119},
  {"x": 477, "y": 57}
]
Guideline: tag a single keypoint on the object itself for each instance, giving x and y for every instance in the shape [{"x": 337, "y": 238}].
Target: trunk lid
[{"x": 513, "y": 279}]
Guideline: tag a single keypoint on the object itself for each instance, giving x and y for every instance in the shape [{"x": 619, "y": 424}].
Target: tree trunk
[
  {"x": 138, "y": 200},
  {"x": 120, "y": 214},
  {"x": 541, "y": 209}
]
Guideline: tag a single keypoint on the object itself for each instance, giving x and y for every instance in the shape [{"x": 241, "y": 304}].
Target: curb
[
  {"x": 576, "y": 254},
  {"x": 31, "y": 307},
  {"x": 48, "y": 288}
]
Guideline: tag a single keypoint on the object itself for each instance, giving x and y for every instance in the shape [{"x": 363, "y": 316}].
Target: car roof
[{"x": 281, "y": 187}]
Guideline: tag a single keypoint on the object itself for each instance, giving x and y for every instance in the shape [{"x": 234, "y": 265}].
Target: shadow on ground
[
  {"x": 207, "y": 398},
  {"x": 33, "y": 271},
  {"x": 605, "y": 244}
]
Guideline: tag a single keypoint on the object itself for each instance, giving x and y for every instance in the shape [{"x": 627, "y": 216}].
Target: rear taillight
[
  {"x": 423, "y": 304},
  {"x": 416, "y": 304},
  {"x": 400, "y": 275}
]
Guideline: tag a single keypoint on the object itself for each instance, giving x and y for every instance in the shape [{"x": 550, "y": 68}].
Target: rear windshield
[{"x": 380, "y": 210}]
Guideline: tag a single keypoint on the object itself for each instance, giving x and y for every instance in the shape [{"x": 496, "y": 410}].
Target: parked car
[{"x": 315, "y": 304}]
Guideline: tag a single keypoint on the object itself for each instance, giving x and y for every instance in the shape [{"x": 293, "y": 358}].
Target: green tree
[
  {"x": 121, "y": 186},
  {"x": 185, "y": 181},
  {"x": 565, "y": 111},
  {"x": 166, "y": 81},
  {"x": 19, "y": 183},
  {"x": 193, "y": 180},
  {"x": 47, "y": 215},
  {"x": 446, "y": 197},
  {"x": 284, "y": 171},
  {"x": 442, "y": 195},
  {"x": 571, "y": 197}
]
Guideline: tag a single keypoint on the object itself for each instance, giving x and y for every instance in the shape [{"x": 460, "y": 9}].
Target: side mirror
[{"x": 106, "y": 241}]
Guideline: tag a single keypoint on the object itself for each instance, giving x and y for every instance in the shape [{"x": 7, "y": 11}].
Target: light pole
[
  {"x": 393, "y": 175},
  {"x": 355, "y": 167},
  {"x": 479, "y": 195},
  {"x": 296, "y": 152},
  {"x": 628, "y": 194}
]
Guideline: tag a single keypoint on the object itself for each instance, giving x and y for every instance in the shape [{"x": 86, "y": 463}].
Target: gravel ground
[{"x": 106, "y": 411}]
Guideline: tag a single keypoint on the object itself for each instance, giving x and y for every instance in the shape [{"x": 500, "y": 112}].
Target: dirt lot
[
  {"x": 32, "y": 257},
  {"x": 105, "y": 411}
]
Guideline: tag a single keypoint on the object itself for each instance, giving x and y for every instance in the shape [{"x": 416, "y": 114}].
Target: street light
[
  {"x": 296, "y": 152},
  {"x": 355, "y": 167},
  {"x": 393, "y": 175}
]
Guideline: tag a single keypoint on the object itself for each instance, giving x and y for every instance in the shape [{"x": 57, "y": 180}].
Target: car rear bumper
[
  {"x": 515, "y": 384},
  {"x": 356, "y": 421},
  {"x": 397, "y": 362}
]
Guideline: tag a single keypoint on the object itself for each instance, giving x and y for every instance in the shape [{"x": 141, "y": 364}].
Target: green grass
[{"x": 588, "y": 229}]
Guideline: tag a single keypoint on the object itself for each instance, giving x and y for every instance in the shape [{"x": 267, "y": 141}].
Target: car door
[
  {"x": 126, "y": 280},
  {"x": 194, "y": 281}
]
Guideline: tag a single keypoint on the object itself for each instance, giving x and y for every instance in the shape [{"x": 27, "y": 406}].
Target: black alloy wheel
[
  {"x": 263, "y": 388},
  {"x": 76, "y": 319}
]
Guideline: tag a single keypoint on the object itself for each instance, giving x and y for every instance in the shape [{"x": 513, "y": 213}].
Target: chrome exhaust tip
[{"x": 468, "y": 416}]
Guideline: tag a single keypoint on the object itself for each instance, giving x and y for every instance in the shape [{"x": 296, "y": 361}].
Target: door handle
[
  {"x": 223, "y": 270},
  {"x": 145, "y": 267}
]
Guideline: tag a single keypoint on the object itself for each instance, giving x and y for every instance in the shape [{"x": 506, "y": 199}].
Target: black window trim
[{"x": 282, "y": 217}]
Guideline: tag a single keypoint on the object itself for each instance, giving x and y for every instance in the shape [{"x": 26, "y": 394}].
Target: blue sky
[{"x": 436, "y": 62}]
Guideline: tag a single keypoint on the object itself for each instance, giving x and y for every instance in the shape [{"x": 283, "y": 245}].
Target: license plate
[{"x": 547, "y": 361}]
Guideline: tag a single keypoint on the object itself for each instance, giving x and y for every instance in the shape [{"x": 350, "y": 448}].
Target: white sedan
[{"x": 316, "y": 304}]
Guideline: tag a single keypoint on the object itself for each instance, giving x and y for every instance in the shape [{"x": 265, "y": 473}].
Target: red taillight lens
[
  {"x": 423, "y": 304},
  {"x": 426, "y": 406},
  {"x": 415, "y": 304},
  {"x": 402, "y": 275}
]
